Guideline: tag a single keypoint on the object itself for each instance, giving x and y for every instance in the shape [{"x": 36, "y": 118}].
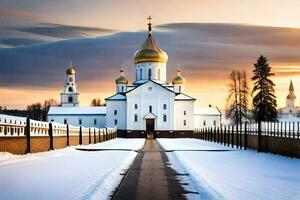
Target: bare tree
[{"x": 96, "y": 102}]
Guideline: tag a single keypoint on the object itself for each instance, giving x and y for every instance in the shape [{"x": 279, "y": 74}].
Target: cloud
[
  {"x": 206, "y": 53},
  {"x": 65, "y": 31}
]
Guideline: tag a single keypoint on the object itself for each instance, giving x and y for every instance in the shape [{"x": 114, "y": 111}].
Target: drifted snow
[
  {"x": 236, "y": 174},
  {"x": 67, "y": 173}
]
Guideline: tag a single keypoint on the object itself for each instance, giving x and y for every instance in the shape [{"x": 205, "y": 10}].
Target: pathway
[{"x": 150, "y": 177}]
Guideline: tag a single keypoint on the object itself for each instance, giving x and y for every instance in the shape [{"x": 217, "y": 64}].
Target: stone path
[{"x": 150, "y": 177}]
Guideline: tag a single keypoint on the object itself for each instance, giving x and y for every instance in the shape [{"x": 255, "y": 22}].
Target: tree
[
  {"x": 96, "y": 102},
  {"x": 47, "y": 104},
  {"x": 264, "y": 99},
  {"x": 35, "y": 111},
  {"x": 237, "y": 100}
]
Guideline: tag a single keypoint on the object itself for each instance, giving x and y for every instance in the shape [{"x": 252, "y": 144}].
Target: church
[
  {"x": 149, "y": 104},
  {"x": 291, "y": 112}
]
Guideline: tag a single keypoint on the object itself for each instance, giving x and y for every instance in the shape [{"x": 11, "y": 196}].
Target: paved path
[{"x": 150, "y": 177}]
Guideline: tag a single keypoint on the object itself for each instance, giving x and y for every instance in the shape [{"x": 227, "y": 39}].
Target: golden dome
[
  {"x": 178, "y": 79},
  {"x": 150, "y": 51},
  {"x": 121, "y": 79},
  {"x": 70, "y": 71}
]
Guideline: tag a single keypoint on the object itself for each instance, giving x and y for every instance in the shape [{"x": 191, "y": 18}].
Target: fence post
[
  {"x": 221, "y": 134},
  {"x": 68, "y": 135},
  {"x": 259, "y": 137},
  {"x": 105, "y": 134},
  {"x": 28, "y": 149},
  {"x": 298, "y": 130},
  {"x": 232, "y": 136},
  {"x": 51, "y": 136},
  {"x": 90, "y": 135},
  {"x": 80, "y": 135},
  {"x": 95, "y": 139},
  {"x": 245, "y": 136}
]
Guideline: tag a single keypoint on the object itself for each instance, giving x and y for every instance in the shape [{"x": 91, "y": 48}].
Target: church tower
[
  {"x": 121, "y": 82},
  {"x": 178, "y": 82},
  {"x": 150, "y": 61},
  {"x": 291, "y": 97},
  {"x": 70, "y": 95}
]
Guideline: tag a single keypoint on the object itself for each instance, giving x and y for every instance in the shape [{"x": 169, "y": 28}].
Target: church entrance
[{"x": 150, "y": 128}]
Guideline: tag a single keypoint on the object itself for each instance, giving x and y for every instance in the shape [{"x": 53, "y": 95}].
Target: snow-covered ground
[
  {"x": 67, "y": 173},
  {"x": 236, "y": 174}
]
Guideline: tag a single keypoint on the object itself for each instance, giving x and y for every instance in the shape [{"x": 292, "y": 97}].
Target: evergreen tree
[{"x": 264, "y": 99}]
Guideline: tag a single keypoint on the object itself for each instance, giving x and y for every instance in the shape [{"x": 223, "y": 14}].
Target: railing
[
  {"x": 272, "y": 137},
  {"x": 14, "y": 127}
]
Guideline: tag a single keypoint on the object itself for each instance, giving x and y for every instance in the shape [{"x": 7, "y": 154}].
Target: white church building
[
  {"x": 291, "y": 112},
  {"x": 150, "y": 104}
]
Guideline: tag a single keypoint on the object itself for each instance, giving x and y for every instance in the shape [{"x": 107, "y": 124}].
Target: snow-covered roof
[
  {"x": 117, "y": 97},
  {"x": 91, "y": 110},
  {"x": 182, "y": 96},
  {"x": 207, "y": 111}
]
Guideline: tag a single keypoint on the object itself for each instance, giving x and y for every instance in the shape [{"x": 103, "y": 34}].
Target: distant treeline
[{"x": 37, "y": 111}]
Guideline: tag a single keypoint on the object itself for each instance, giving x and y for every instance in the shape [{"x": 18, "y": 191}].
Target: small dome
[
  {"x": 70, "y": 71},
  {"x": 121, "y": 79},
  {"x": 178, "y": 79}
]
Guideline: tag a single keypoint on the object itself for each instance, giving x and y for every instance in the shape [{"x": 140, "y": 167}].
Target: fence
[
  {"x": 274, "y": 137},
  {"x": 21, "y": 135}
]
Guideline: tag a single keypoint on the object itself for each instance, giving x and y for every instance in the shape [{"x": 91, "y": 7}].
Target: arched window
[
  {"x": 158, "y": 73},
  {"x": 141, "y": 74},
  {"x": 70, "y": 99},
  {"x": 149, "y": 73},
  {"x": 70, "y": 89},
  {"x": 179, "y": 89}
]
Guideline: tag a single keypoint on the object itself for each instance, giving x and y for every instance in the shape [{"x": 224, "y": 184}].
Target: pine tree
[{"x": 264, "y": 99}]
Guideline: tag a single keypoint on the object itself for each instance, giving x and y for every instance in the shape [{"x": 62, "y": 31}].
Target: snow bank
[
  {"x": 236, "y": 174},
  {"x": 67, "y": 173}
]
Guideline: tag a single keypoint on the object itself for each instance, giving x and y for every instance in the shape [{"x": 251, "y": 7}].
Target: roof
[
  {"x": 117, "y": 96},
  {"x": 181, "y": 96},
  {"x": 207, "y": 111},
  {"x": 91, "y": 110}
]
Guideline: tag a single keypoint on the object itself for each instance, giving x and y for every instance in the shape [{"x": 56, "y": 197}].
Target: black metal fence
[{"x": 274, "y": 137}]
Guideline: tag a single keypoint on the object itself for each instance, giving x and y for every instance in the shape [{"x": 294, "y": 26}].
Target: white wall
[
  {"x": 144, "y": 97},
  {"x": 154, "y": 66},
  {"x": 209, "y": 120},
  {"x": 87, "y": 120},
  {"x": 120, "y": 106},
  {"x": 179, "y": 117}
]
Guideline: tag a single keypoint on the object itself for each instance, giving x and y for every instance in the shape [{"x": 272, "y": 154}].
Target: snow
[
  {"x": 117, "y": 97},
  {"x": 236, "y": 174},
  {"x": 182, "y": 96},
  {"x": 89, "y": 110},
  {"x": 67, "y": 173}
]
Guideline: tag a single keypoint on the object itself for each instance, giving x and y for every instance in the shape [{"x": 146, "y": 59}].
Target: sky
[{"x": 39, "y": 38}]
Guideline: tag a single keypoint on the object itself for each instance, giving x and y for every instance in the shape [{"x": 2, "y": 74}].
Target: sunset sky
[{"x": 208, "y": 38}]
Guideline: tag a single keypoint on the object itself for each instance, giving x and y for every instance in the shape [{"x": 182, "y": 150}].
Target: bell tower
[{"x": 69, "y": 97}]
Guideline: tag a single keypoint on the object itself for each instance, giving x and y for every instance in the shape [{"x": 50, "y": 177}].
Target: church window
[
  {"x": 70, "y": 99},
  {"x": 70, "y": 89},
  {"x": 150, "y": 109},
  {"x": 122, "y": 88},
  {"x": 116, "y": 122},
  {"x": 204, "y": 123},
  {"x": 165, "y": 118},
  {"x": 141, "y": 74},
  {"x": 115, "y": 112},
  {"x": 70, "y": 79},
  {"x": 135, "y": 118},
  {"x": 165, "y": 106},
  {"x": 95, "y": 121},
  {"x": 149, "y": 73},
  {"x": 65, "y": 121},
  {"x": 184, "y": 122},
  {"x": 215, "y": 122},
  {"x": 184, "y": 112},
  {"x": 158, "y": 74},
  {"x": 179, "y": 89},
  {"x": 80, "y": 121},
  {"x": 135, "y": 106}
]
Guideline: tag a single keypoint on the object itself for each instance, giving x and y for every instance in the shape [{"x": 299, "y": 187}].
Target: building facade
[{"x": 150, "y": 104}]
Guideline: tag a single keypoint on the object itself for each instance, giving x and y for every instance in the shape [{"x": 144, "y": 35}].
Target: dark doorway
[{"x": 150, "y": 128}]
